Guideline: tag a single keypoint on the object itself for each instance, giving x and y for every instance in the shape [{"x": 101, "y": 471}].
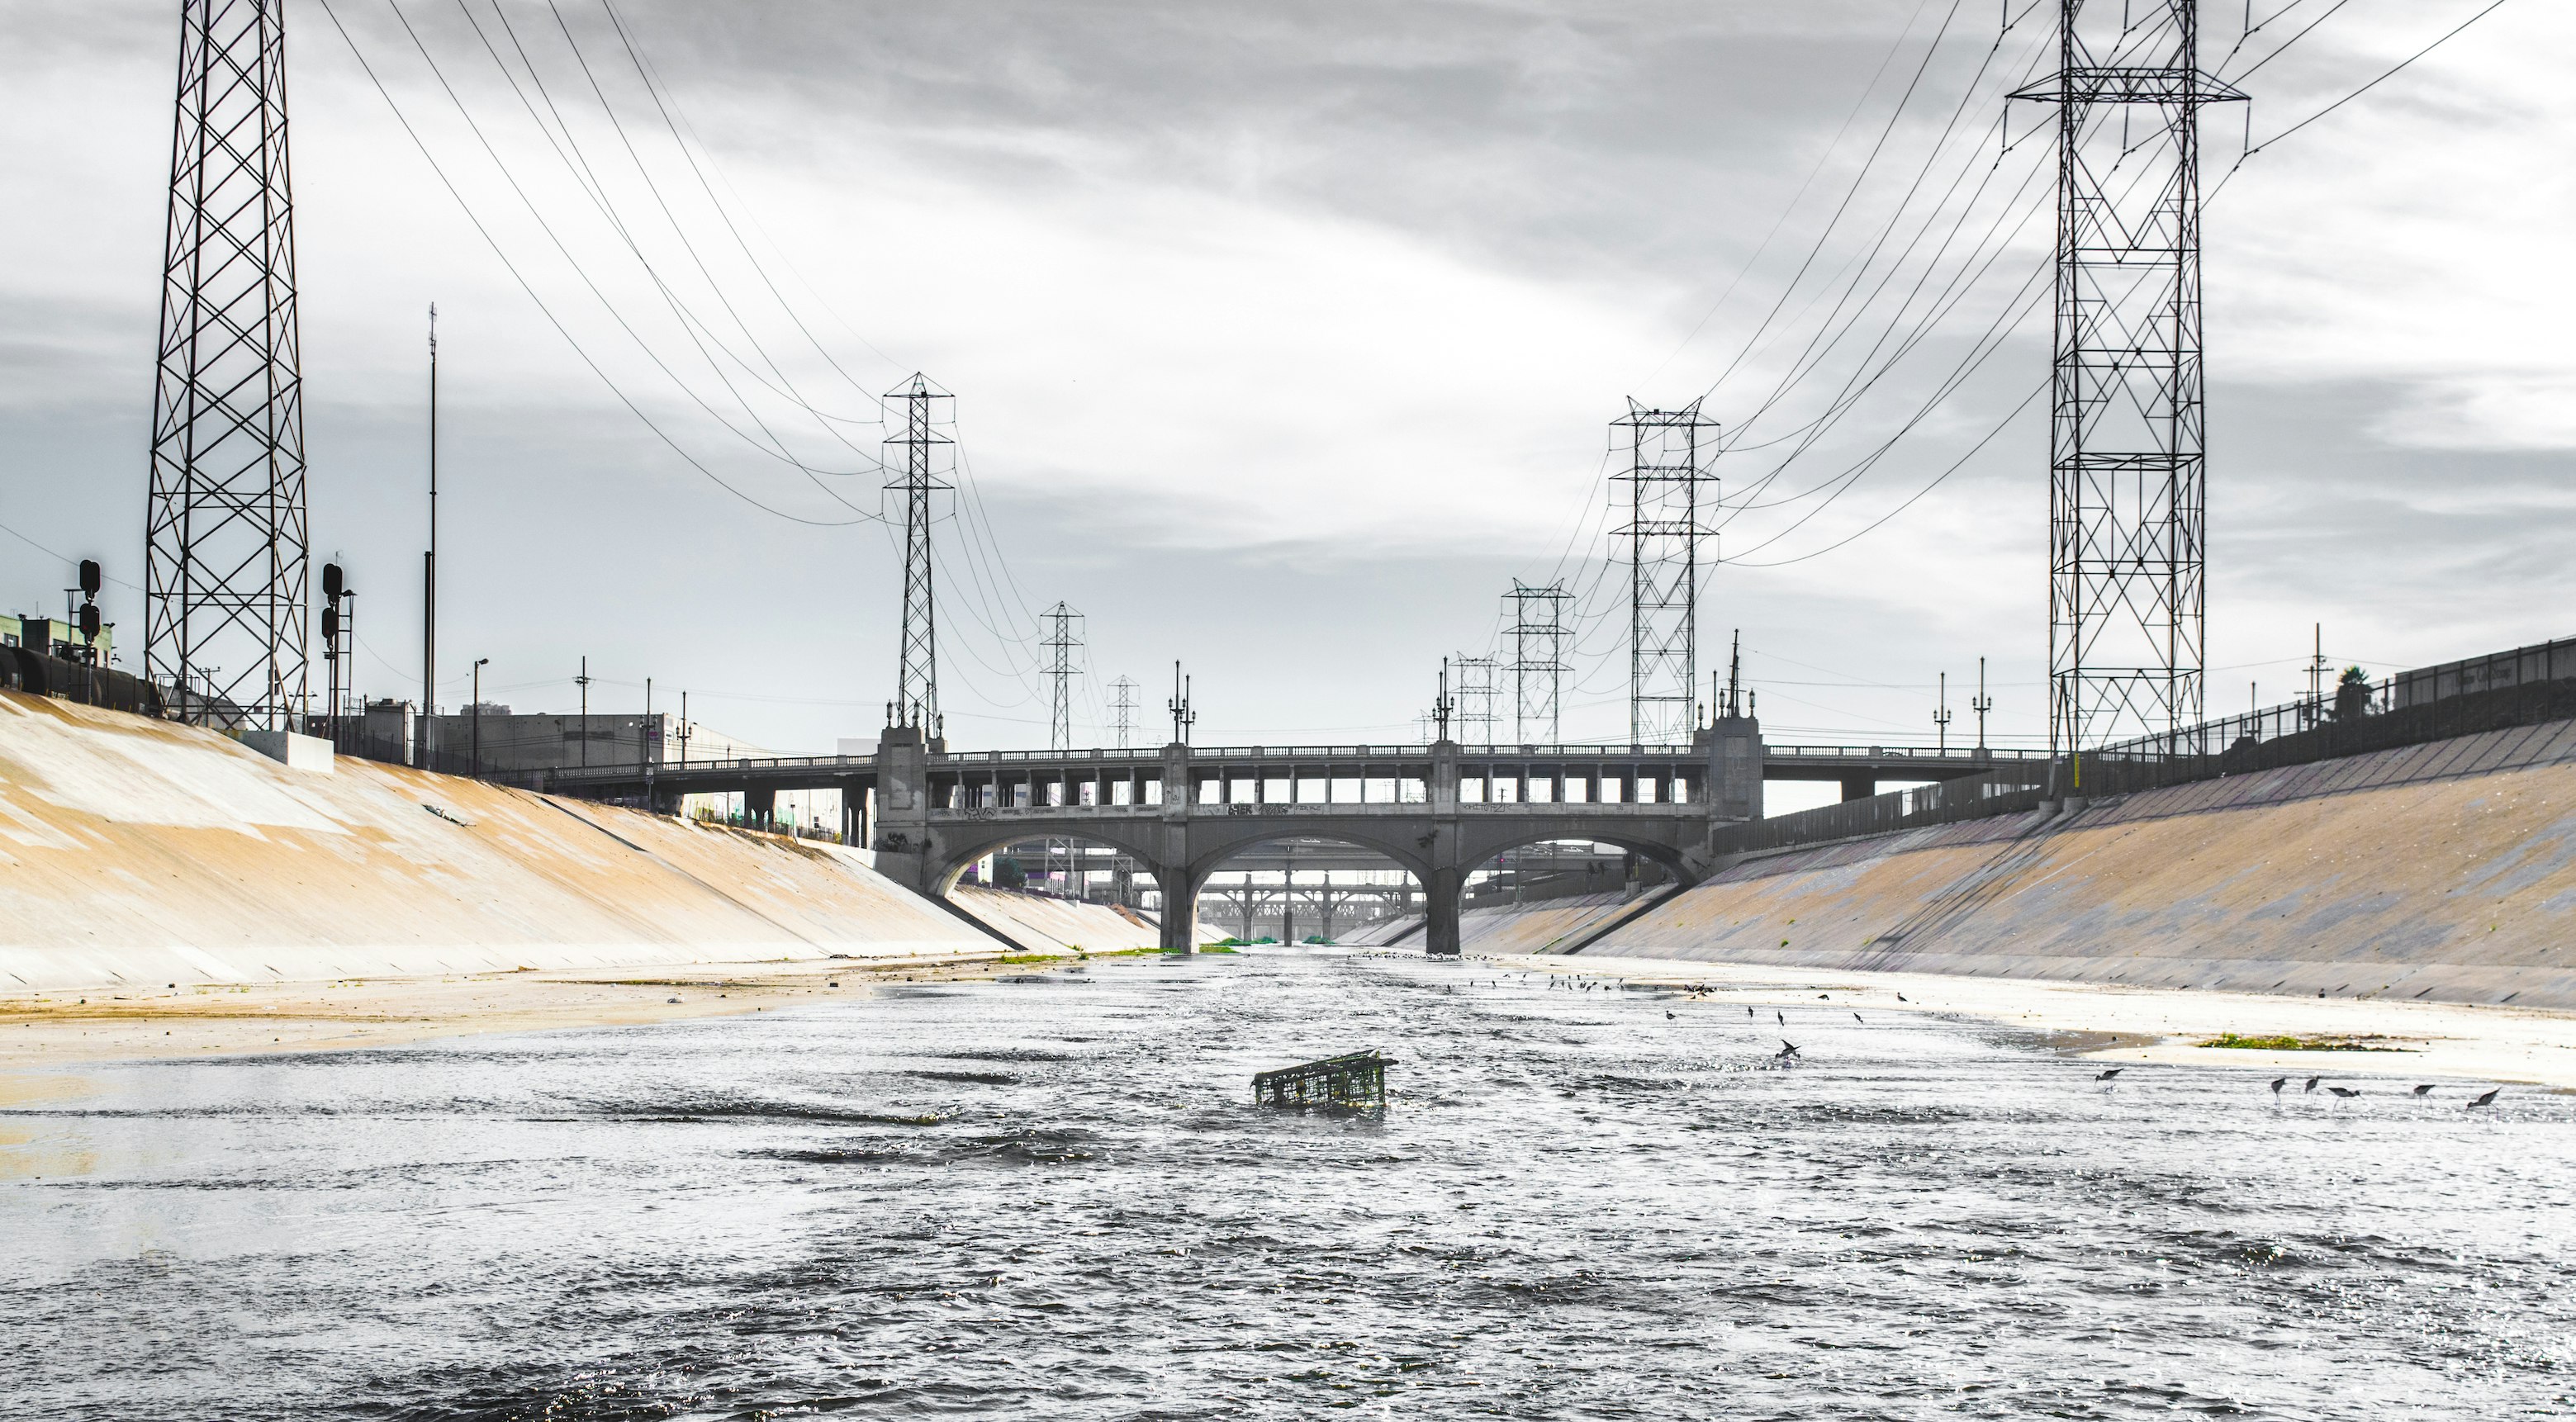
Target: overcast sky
[{"x": 1284, "y": 336}]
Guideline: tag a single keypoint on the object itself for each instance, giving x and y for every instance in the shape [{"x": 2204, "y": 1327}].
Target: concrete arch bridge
[{"x": 1438, "y": 811}]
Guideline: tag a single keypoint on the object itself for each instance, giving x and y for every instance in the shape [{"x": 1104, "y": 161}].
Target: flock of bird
[{"x": 1789, "y": 1052}]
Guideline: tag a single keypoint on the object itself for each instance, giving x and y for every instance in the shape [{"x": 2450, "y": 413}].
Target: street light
[{"x": 474, "y": 714}]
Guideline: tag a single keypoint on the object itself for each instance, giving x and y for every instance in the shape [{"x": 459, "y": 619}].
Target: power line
[{"x": 546, "y": 309}]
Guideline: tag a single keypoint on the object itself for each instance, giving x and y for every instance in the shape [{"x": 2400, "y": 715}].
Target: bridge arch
[
  {"x": 1237, "y": 852},
  {"x": 957, "y": 848},
  {"x": 1675, "y": 859}
]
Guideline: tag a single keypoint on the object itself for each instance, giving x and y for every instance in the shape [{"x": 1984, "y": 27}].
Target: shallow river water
[{"x": 1053, "y": 1199}]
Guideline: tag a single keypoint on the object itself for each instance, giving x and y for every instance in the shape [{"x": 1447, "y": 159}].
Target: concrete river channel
[{"x": 1053, "y": 1197}]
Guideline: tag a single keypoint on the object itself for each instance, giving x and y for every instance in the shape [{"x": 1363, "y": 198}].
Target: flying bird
[
  {"x": 1784, "y": 1017},
  {"x": 1900, "y": 997},
  {"x": 1856, "y": 1017},
  {"x": 1788, "y": 1049},
  {"x": 1668, "y": 1014},
  {"x": 2277, "y": 1083},
  {"x": 2481, "y": 1101}
]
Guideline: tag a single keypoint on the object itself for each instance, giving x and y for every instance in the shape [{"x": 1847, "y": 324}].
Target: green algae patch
[{"x": 2287, "y": 1043}]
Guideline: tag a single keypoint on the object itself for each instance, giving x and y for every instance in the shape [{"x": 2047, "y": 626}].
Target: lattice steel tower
[
  {"x": 1537, "y": 630},
  {"x": 918, "y": 467},
  {"x": 2128, "y": 478},
  {"x": 1064, "y": 638},
  {"x": 225, "y": 549},
  {"x": 1663, "y": 531},
  {"x": 1476, "y": 693},
  {"x": 1122, "y": 710}
]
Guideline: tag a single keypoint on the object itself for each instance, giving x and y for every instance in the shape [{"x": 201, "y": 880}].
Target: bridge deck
[{"x": 1252, "y": 764}]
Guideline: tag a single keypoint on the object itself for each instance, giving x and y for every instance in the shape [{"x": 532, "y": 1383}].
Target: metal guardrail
[
  {"x": 1223, "y": 755},
  {"x": 2524, "y": 687},
  {"x": 1554, "y": 809}
]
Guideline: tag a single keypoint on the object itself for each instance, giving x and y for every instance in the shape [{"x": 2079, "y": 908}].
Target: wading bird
[
  {"x": 2277, "y": 1083},
  {"x": 2487, "y": 1099},
  {"x": 2425, "y": 1090},
  {"x": 2345, "y": 1092},
  {"x": 2311, "y": 1086},
  {"x": 2106, "y": 1076}
]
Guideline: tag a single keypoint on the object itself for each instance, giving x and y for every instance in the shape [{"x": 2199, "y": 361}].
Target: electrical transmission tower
[
  {"x": 1122, "y": 709},
  {"x": 1064, "y": 638},
  {"x": 225, "y": 544},
  {"x": 917, "y": 479},
  {"x": 1663, "y": 532},
  {"x": 1537, "y": 630},
  {"x": 2128, "y": 480},
  {"x": 1476, "y": 692}
]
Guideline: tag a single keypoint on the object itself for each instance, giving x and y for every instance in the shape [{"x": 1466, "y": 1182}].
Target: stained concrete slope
[
  {"x": 1048, "y": 925},
  {"x": 138, "y": 851},
  {"x": 2444, "y": 872},
  {"x": 1536, "y": 927},
  {"x": 1384, "y": 931}
]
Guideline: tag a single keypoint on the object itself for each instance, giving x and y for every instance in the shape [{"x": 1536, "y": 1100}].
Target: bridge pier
[
  {"x": 1859, "y": 787},
  {"x": 1180, "y": 908},
  {"x": 1440, "y": 895},
  {"x": 760, "y": 806}
]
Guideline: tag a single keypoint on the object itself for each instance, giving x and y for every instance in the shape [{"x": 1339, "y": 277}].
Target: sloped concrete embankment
[
  {"x": 1050, "y": 925},
  {"x": 2444, "y": 872},
  {"x": 135, "y": 851}
]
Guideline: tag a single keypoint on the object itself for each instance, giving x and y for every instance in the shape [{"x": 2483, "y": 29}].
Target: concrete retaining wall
[
  {"x": 2443, "y": 872},
  {"x": 136, "y": 851}
]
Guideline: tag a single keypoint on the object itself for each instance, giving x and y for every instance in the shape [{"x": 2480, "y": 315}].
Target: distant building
[{"x": 56, "y": 637}]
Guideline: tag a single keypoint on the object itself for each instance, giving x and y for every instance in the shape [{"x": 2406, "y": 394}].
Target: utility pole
[
  {"x": 1064, "y": 638},
  {"x": 1941, "y": 715},
  {"x": 1537, "y": 628},
  {"x": 2317, "y": 675},
  {"x": 685, "y": 728},
  {"x": 2128, "y": 473},
  {"x": 474, "y": 715},
  {"x": 583, "y": 681},
  {"x": 1981, "y": 705},
  {"x": 1122, "y": 709},
  {"x": 1734, "y": 702},
  {"x": 1182, "y": 716},
  {"x": 1663, "y": 534},
  {"x": 917, "y": 677},
  {"x": 429, "y": 569},
  {"x": 225, "y": 549},
  {"x": 1441, "y": 707}
]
